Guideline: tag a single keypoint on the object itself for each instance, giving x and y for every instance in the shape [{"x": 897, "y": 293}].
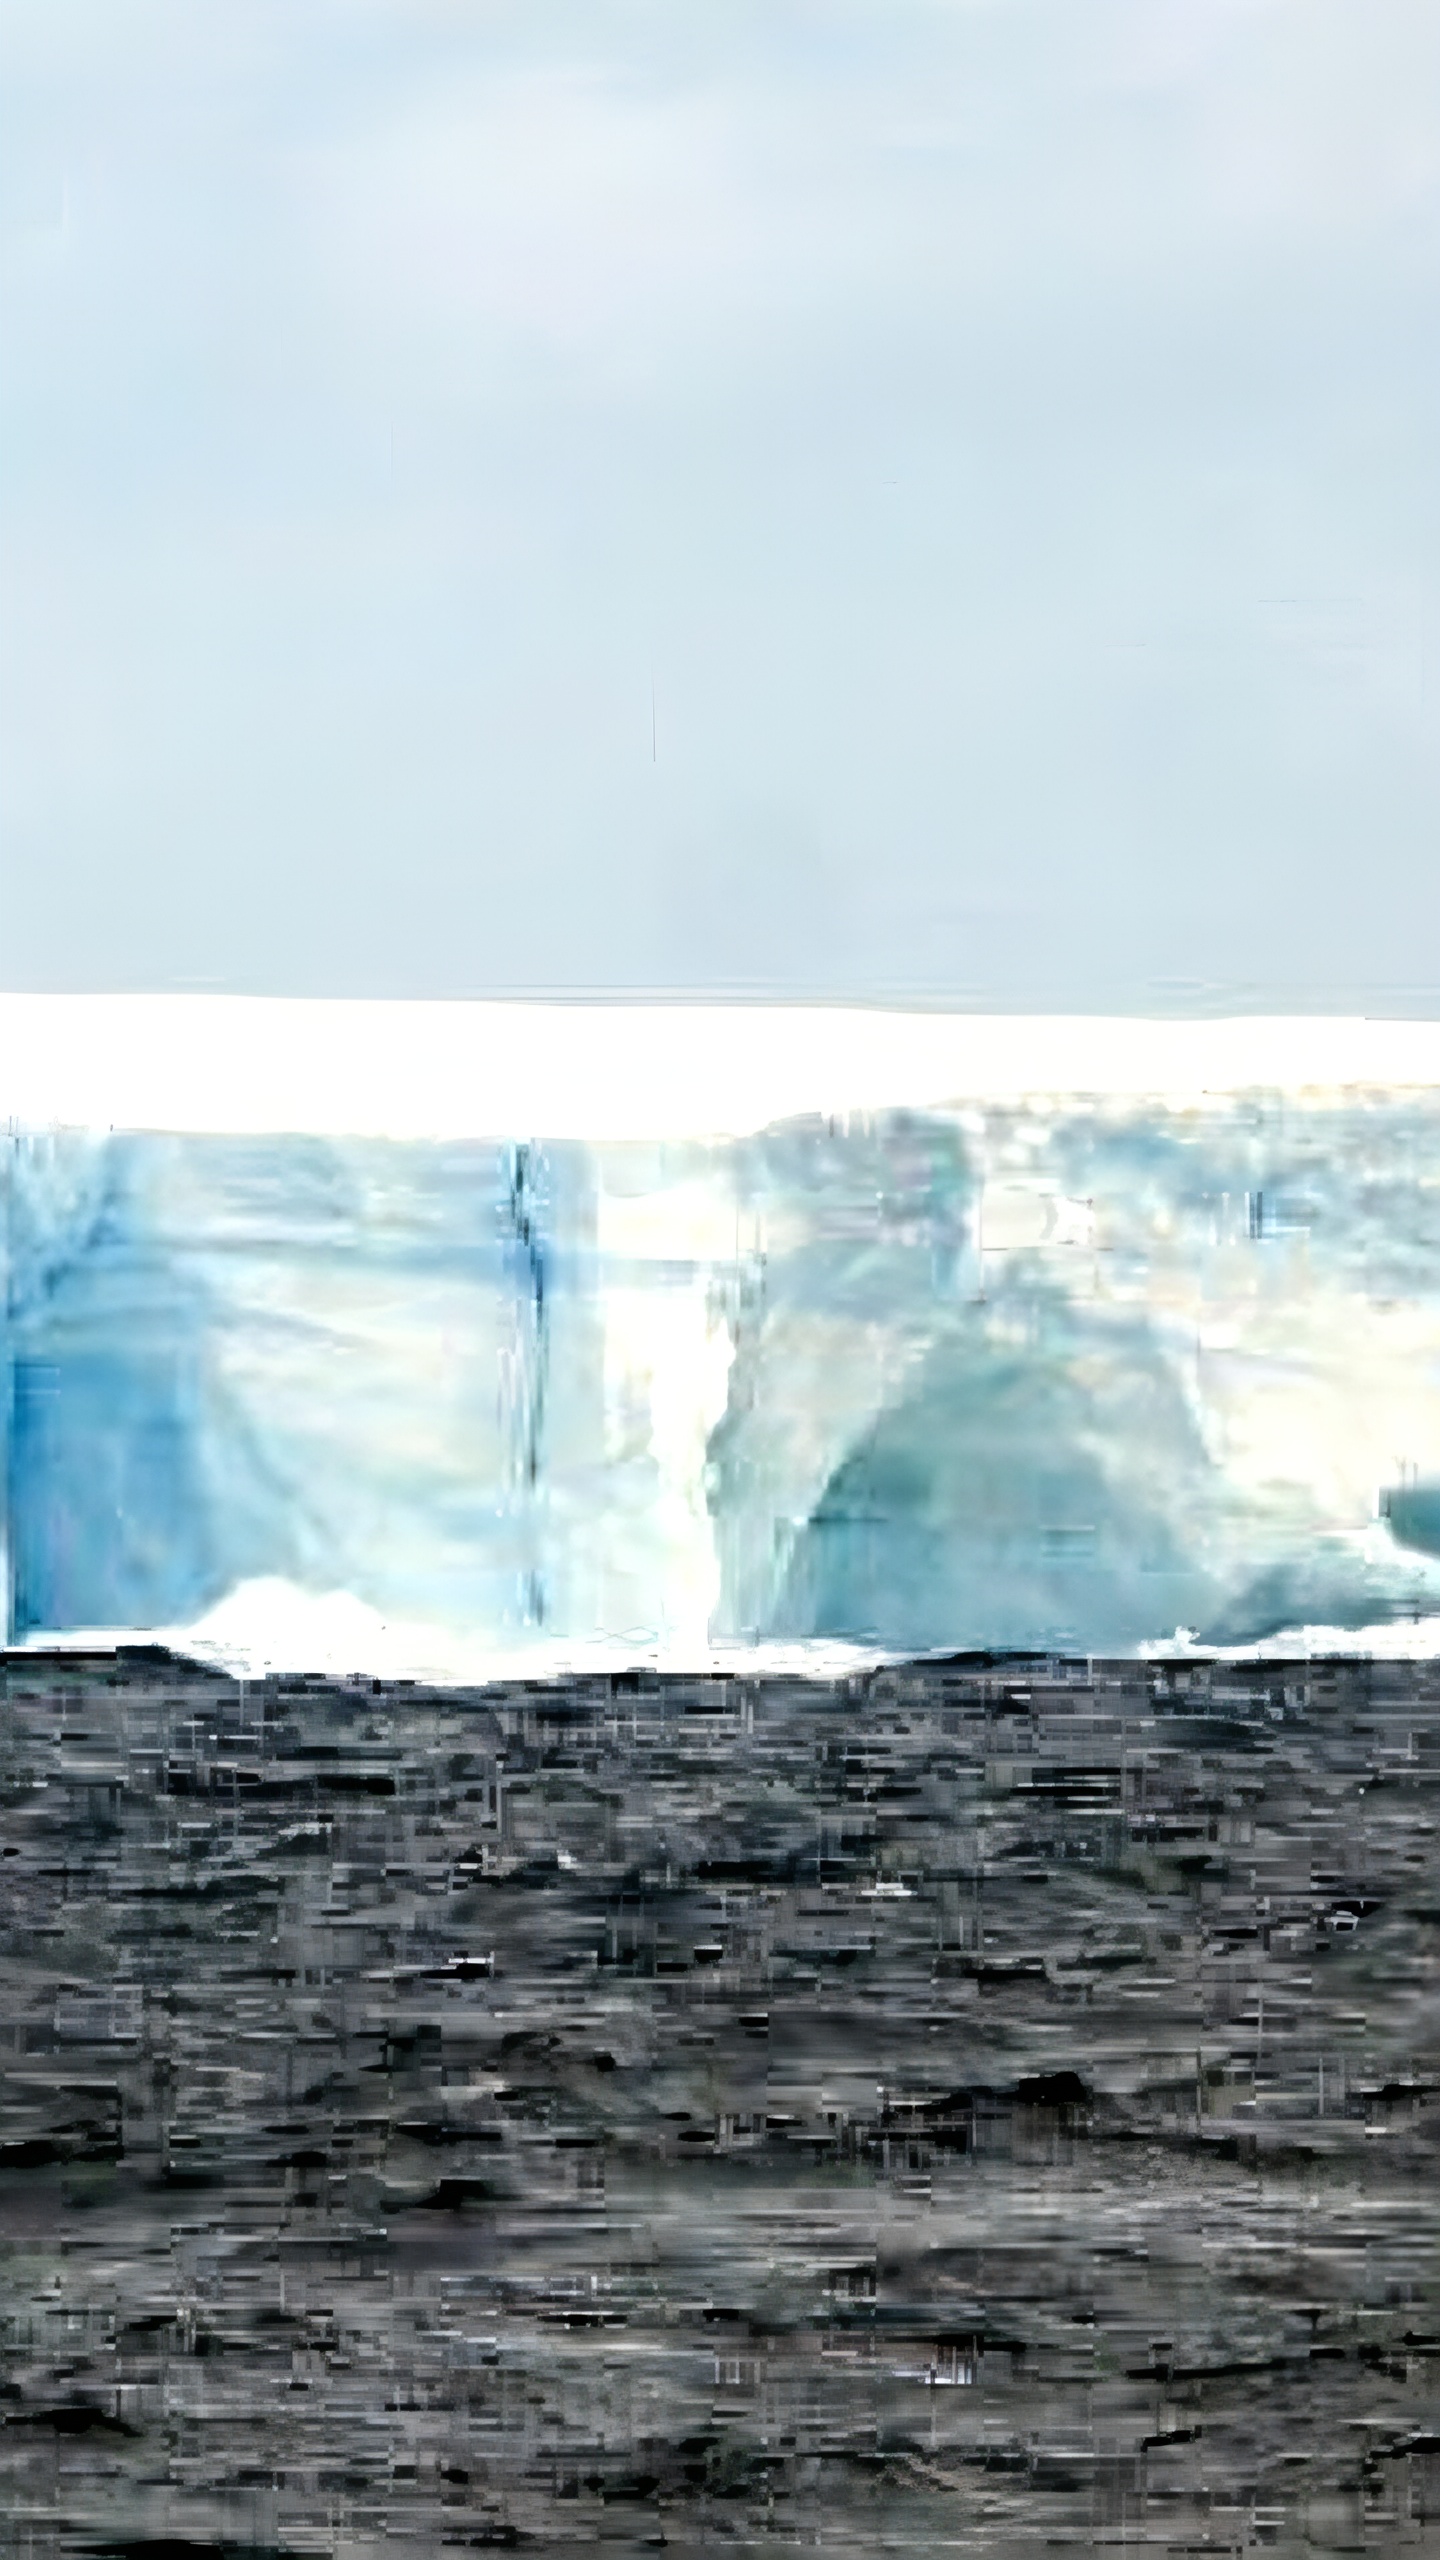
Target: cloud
[
  {"x": 968, "y": 413},
  {"x": 547, "y": 203}
]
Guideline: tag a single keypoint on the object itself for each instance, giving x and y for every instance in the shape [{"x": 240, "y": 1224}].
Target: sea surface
[{"x": 980, "y": 2106}]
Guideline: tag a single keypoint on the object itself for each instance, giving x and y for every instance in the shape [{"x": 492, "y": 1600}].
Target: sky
[{"x": 911, "y": 502}]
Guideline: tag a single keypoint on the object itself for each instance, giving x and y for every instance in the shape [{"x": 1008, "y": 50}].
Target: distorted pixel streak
[{"x": 977, "y": 2107}]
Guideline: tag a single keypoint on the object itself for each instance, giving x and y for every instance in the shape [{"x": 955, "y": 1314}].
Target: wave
[{"x": 271, "y": 1628}]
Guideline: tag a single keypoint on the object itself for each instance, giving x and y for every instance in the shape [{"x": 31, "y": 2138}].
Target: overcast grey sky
[{"x": 895, "y": 499}]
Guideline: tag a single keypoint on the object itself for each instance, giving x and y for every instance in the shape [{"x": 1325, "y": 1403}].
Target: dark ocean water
[{"x": 982, "y": 2107}]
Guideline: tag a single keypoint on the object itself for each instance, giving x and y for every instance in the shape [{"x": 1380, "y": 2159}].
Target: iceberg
[{"x": 959, "y": 1366}]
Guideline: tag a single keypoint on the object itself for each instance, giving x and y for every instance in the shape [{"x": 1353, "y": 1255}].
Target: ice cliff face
[{"x": 1064, "y": 1374}]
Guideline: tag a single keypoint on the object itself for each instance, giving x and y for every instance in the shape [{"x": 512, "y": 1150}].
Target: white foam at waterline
[
  {"x": 1388, "y": 1640},
  {"x": 270, "y": 1626}
]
